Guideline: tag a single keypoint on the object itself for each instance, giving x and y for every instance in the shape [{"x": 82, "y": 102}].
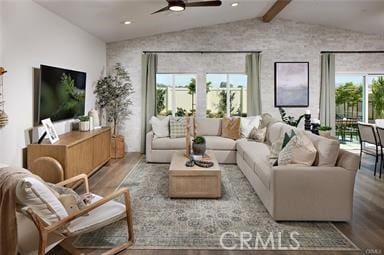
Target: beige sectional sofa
[{"x": 322, "y": 192}]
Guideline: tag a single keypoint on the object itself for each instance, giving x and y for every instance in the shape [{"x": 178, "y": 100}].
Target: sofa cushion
[
  {"x": 277, "y": 130},
  {"x": 220, "y": 143},
  {"x": 101, "y": 216},
  {"x": 160, "y": 127},
  {"x": 248, "y": 124},
  {"x": 299, "y": 150},
  {"x": 177, "y": 127},
  {"x": 167, "y": 143},
  {"x": 207, "y": 127},
  {"x": 256, "y": 155},
  {"x": 231, "y": 128},
  {"x": 258, "y": 134},
  {"x": 327, "y": 150}
]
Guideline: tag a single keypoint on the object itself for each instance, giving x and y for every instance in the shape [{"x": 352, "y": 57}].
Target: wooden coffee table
[{"x": 193, "y": 182}]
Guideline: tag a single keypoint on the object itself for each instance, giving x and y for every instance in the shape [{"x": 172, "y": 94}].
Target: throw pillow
[
  {"x": 287, "y": 138},
  {"x": 275, "y": 150},
  {"x": 33, "y": 193},
  {"x": 299, "y": 150},
  {"x": 277, "y": 146},
  {"x": 231, "y": 128},
  {"x": 61, "y": 191},
  {"x": 248, "y": 124},
  {"x": 177, "y": 127},
  {"x": 69, "y": 203},
  {"x": 258, "y": 134},
  {"x": 160, "y": 127}
]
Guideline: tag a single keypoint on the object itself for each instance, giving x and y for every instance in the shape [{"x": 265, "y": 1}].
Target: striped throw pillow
[{"x": 177, "y": 127}]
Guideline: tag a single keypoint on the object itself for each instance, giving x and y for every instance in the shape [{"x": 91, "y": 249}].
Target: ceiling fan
[{"x": 180, "y": 5}]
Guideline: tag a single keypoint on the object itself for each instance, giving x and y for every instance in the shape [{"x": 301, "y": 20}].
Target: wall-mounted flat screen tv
[{"x": 61, "y": 93}]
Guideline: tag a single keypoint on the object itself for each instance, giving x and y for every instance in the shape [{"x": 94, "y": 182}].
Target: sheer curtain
[
  {"x": 149, "y": 70},
  {"x": 327, "y": 91},
  {"x": 252, "y": 67}
]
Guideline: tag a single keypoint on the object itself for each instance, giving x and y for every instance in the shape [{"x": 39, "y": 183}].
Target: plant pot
[
  {"x": 325, "y": 133},
  {"x": 199, "y": 149},
  {"x": 84, "y": 126},
  {"x": 117, "y": 147}
]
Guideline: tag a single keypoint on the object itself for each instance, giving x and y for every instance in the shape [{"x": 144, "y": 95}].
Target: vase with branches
[{"x": 290, "y": 120}]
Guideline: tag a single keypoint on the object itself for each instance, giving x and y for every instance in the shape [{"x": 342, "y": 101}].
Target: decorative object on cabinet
[
  {"x": 84, "y": 123},
  {"x": 113, "y": 93},
  {"x": 3, "y": 115},
  {"x": 50, "y": 130},
  {"x": 291, "y": 84},
  {"x": 96, "y": 120}
]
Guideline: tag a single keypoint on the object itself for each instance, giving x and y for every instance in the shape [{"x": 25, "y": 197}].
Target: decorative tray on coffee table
[{"x": 204, "y": 162}]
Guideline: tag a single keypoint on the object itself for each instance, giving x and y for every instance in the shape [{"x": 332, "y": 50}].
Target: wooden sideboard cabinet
[{"x": 78, "y": 152}]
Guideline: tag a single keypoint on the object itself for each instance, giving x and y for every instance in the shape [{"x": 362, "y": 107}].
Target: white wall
[
  {"x": 32, "y": 36},
  {"x": 280, "y": 40}
]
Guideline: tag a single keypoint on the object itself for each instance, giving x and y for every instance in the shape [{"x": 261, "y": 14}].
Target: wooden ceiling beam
[{"x": 276, "y": 8}]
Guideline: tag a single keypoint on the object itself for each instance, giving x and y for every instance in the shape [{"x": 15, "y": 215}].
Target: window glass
[
  {"x": 216, "y": 95},
  {"x": 238, "y": 92},
  {"x": 175, "y": 94},
  {"x": 164, "y": 94},
  {"x": 227, "y": 95}
]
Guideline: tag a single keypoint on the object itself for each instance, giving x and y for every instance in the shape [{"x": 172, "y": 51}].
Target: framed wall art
[{"x": 291, "y": 84}]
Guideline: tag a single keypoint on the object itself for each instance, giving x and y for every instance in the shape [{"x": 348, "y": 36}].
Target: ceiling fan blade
[
  {"x": 161, "y": 10},
  {"x": 203, "y": 4}
]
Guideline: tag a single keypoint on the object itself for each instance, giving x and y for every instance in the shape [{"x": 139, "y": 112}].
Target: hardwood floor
[{"x": 366, "y": 229}]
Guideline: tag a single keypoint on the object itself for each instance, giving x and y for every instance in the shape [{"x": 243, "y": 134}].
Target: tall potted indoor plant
[{"x": 113, "y": 94}]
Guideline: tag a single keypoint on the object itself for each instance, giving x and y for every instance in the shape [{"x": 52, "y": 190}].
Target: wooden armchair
[{"x": 79, "y": 223}]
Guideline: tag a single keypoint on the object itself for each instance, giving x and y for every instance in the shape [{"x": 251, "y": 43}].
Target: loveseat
[{"x": 321, "y": 192}]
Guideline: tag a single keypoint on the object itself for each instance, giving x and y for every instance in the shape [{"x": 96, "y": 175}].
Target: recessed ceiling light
[
  {"x": 235, "y": 4},
  {"x": 127, "y": 22}
]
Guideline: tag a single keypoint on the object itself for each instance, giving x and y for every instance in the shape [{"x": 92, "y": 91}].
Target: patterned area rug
[{"x": 164, "y": 223}]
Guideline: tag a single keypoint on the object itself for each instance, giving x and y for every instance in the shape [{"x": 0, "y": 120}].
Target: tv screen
[{"x": 61, "y": 93}]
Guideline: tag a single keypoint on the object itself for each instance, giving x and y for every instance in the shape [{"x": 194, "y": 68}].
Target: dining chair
[
  {"x": 380, "y": 134},
  {"x": 367, "y": 135}
]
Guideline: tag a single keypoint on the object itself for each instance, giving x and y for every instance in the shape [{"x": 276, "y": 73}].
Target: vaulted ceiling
[{"x": 104, "y": 18}]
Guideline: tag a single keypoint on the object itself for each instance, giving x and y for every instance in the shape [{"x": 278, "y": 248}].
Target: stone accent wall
[{"x": 281, "y": 40}]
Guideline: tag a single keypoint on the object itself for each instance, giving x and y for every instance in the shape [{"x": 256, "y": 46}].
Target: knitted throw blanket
[{"x": 9, "y": 177}]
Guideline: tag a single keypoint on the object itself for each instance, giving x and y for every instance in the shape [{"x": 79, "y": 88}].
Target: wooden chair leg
[{"x": 42, "y": 242}]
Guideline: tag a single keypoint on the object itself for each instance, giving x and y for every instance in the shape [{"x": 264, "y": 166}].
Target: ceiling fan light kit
[
  {"x": 177, "y": 6},
  {"x": 181, "y": 5}
]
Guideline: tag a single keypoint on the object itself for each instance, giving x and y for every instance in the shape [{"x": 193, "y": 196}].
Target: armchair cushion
[
  {"x": 97, "y": 218},
  {"x": 33, "y": 193}
]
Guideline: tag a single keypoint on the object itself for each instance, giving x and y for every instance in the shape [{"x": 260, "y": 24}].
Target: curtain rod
[
  {"x": 202, "y": 52},
  {"x": 356, "y": 52}
]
